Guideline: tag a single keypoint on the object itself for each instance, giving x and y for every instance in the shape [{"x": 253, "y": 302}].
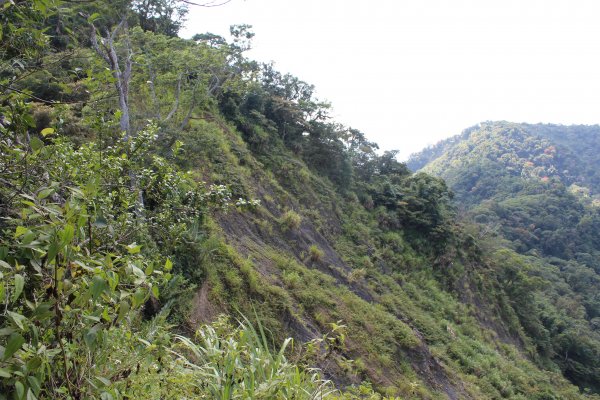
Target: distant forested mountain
[
  {"x": 541, "y": 183},
  {"x": 537, "y": 189},
  {"x": 504, "y": 150}
]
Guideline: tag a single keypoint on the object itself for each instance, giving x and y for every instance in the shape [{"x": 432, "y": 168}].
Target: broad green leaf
[
  {"x": 136, "y": 271},
  {"x": 30, "y": 304},
  {"x": 45, "y": 193},
  {"x": 92, "y": 186},
  {"x": 30, "y": 395},
  {"x": 34, "y": 384},
  {"x": 4, "y": 373},
  {"x": 92, "y": 318},
  {"x": 106, "y": 396},
  {"x": 19, "y": 283},
  {"x": 36, "y": 143},
  {"x": 123, "y": 310},
  {"x": 100, "y": 222},
  {"x": 93, "y": 17},
  {"x": 98, "y": 286},
  {"x": 15, "y": 341},
  {"x": 41, "y": 6},
  {"x": 20, "y": 231},
  {"x": 90, "y": 336},
  {"x": 53, "y": 250},
  {"x": 2, "y": 292},
  {"x": 168, "y": 265},
  {"x": 6, "y": 331},
  {"x": 28, "y": 238},
  {"x": 113, "y": 280},
  {"x": 18, "y": 318},
  {"x": 104, "y": 381},
  {"x": 47, "y": 131},
  {"x": 149, "y": 269},
  {"x": 33, "y": 364},
  {"x": 20, "y": 390},
  {"x": 138, "y": 298},
  {"x": 35, "y": 264},
  {"x": 66, "y": 235},
  {"x": 133, "y": 248},
  {"x": 105, "y": 315},
  {"x": 26, "y": 196},
  {"x": 155, "y": 291},
  {"x": 43, "y": 311}
]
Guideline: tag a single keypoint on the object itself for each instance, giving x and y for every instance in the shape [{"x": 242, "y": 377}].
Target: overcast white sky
[{"x": 409, "y": 73}]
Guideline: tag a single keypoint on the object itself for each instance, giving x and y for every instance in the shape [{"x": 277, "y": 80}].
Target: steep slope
[
  {"x": 370, "y": 243},
  {"x": 407, "y": 329},
  {"x": 536, "y": 186},
  {"x": 155, "y": 188}
]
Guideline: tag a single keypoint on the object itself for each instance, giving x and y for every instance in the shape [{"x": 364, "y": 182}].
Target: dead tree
[
  {"x": 106, "y": 49},
  {"x": 122, "y": 75}
]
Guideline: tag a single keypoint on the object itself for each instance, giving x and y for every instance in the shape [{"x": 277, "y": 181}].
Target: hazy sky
[{"x": 409, "y": 73}]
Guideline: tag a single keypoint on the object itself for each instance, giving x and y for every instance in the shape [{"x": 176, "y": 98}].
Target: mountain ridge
[{"x": 566, "y": 137}]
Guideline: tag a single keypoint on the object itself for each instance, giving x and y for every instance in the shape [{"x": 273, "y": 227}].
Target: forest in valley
[{"x": 179, "y": 221}]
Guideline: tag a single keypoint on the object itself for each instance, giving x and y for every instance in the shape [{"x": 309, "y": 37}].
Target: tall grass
[{"x": 239, "y": 364}]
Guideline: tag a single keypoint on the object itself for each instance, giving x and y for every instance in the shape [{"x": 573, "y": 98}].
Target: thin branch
[
  {"x": 113, "y": 35},
  {"x": 208, "y": 5},
  {"x": 121, "y": 76},
  {"x": 153, "y": 91},
  {"x": 12, "y": 89},
  {"x": 176, "y": 103},
  {"x": 10, "y": 185},
  {"x": 45, "y": 66},
  {"x": 96, "y": 46},
  {"x": 215, "y": 84}
]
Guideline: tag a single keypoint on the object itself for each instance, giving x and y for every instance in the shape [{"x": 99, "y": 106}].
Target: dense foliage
[
  {"x": 536, "y": 186},
  {"x": 155, "y": 190}
]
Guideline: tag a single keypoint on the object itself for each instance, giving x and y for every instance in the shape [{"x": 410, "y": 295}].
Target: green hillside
[
  {"x": 510, "y": 152},
  {"x": 181, "y": 222},
  {"x": 537, "y": 182},
  {"x": 535, "y": 187}
]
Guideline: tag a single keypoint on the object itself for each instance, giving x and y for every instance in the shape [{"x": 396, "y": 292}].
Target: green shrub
[
  {"x": 315, "y": 253},
  {"x": 291, "y": 279},
  {"x": 357, "y": 275},
  {"x": 290, "y": 220}
]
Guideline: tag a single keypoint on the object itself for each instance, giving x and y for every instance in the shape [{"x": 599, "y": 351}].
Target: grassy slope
[{"x": 407, "y": 331}]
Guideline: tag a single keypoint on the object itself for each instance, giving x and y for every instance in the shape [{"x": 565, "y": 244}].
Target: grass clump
[
  {"x": 238, "y": 363},
  {"x": 290, "y": 220},
  {"x": 315, "y": 253}
]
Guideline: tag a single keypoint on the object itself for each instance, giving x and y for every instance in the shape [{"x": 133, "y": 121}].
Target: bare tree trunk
[
  {"x": 106, "y": 49},
  {"x": 155, "y": 103}
]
